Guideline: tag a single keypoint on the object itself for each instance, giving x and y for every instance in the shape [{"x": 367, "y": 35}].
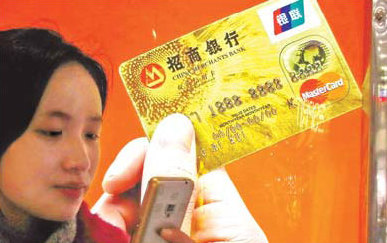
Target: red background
[{"x": 309, "y": 188}]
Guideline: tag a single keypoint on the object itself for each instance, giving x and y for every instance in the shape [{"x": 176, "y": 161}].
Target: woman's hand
[
  {"x": 171, "y": 152},
  {"x": 221, "y": 215},
  {"x": 119, "y": 203}
]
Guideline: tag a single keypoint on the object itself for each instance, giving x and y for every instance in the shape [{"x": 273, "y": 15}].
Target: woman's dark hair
[{"x": 28, "y": 58}]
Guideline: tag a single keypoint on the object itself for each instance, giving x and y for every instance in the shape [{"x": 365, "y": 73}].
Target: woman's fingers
[
  {"x": 119, "y": 204},
  {"x": 126, "y": 170},
  {"x": 220, "y": 214},
  {"x": 217, "y": 186},
  {"x": 175, "y": 236},
  {"x": 119, "y": 210},
  {"x": 171, "y": 152}
]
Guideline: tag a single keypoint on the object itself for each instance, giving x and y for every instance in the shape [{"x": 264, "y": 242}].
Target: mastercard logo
[{"x": 329, "y": 87}]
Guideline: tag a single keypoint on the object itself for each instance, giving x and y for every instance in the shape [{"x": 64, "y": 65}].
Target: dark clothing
[{"x": 86, "y": 228}]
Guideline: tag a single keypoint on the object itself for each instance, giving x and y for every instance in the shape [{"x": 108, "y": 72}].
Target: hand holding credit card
[
  {"x": 218, "y": 208},
  {"x": 246, "y": 81}
]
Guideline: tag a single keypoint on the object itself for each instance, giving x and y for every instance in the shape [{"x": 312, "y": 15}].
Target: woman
[
  {"x": 51, "y": 103},
  {"x": 52, "y": 98}
]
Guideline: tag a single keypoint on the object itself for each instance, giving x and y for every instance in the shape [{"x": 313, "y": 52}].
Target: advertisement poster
[{"x": 300, "y": 182}]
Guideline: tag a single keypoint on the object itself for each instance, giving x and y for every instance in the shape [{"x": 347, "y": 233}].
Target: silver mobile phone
[{"x": 164, "y": 206}]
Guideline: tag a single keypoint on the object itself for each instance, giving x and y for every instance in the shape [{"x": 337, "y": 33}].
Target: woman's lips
[{"x": 72, "y": 191}]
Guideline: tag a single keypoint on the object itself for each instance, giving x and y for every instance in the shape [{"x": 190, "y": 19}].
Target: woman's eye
[
  {"x": 50, "y": 133},
  {"x": 92, "y": 136}
]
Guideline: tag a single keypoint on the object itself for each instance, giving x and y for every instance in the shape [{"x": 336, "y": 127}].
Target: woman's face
[{"x": 46, "y": 171}]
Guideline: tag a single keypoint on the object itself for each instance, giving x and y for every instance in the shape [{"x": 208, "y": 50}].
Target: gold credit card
[{"x": 246, "y": 81}]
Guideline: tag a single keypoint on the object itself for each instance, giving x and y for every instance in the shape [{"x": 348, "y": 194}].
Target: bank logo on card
[
  {"x": 152, "y": 76},
  {"x": 286, "y": 18}
]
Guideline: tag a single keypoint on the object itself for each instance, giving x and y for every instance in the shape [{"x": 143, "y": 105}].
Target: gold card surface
[{"x": 246, "y": 81}]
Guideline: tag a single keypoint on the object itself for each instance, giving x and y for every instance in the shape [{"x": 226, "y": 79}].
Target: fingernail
[
  {"x": 116, "y": 166},
  {"x": 175, "y": 130},
  {"x": 128, "y": 153},
  {"x": 113, "y": 170},
  {"x": 164, "y": 232}
]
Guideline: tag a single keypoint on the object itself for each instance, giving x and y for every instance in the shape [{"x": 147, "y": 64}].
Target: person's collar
[{"x": 61, "y": 232}]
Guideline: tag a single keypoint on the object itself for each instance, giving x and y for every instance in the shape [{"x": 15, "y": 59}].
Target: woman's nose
[{"x": 76, "y": 158}]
